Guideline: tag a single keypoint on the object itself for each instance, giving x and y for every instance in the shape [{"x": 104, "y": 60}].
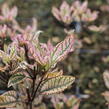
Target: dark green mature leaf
[
  {"x": 56, "y": 84},
  {"x": 16, "y": 78}
]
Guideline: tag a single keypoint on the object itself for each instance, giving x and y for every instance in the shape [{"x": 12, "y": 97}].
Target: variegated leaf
[
  {"x": 56, "y": 84},
  {"x": 11, "y": 93},
  {"x": 16, "y": 78},
  {"x": 12, "y": 50},
  {"x": 7, "y": 101},
  {"x": 61, "y": 50},
  {"x": 4, "y": 57}
]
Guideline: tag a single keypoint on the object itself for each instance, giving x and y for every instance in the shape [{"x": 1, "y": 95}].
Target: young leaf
[
  {"x": 56, "y": 84},
  {"x": 7, "y": 101},
  {"x": 12, "y": 50},
  {"x": 16, "y": 78},
  {"x": 61, "y": 50},
  {"x": 4, "y": 57}
]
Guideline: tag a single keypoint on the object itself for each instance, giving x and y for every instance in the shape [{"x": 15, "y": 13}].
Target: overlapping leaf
[
  {"x": 56, "y": 84},
  {"x": 16, "y": 78},
  {"x": 11, "y": 93},
  {"x": 3, "y": 80},
  {"x": 4, "y": 56},
  {"x": 8, "y": 99},
  {"x": 53, "y": 74},
  {"x": 7, "y": 13},
  {"x": 10, "y": 53}
]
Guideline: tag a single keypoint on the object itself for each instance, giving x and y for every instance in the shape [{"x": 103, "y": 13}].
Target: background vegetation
[{"x": 93, "y": 58}]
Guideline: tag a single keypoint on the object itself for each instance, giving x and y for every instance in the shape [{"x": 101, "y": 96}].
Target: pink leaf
[
  {"x": 56, "y": 13},
  {"x": 61, "y": 50},
  {"x": 84, "y": 6},
  {"x": 13, "y": 12}
]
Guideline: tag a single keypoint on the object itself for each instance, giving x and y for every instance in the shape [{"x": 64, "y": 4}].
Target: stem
[
  {"x": 34, "y": 94},
  {"x": 26, "y": 54},
  {"x": 28, "y": 94},
  {"x": 29, "y": 103},
  {"x": 34, "y": 79},
  {"x": 33, "y": 87},
  {"x": 30, "y": 100}
]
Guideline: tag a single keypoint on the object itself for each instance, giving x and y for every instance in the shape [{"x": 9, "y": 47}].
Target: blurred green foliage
[
  {"x": 1, "y": 1},
  {"x": 87, "y": 67}
]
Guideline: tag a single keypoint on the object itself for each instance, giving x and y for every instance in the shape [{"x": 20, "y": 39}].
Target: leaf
[
  {"x": 5, "y": 9},
  {"x": 106, "y": 78},
  {"x": 16, "y": 78},
  {"x": 11, "y": 93},
  {"x": 22, "y": 54},
  {"x": 73, "y": 102},
  {"x": 53, "y": 74},
  {"x": 4, "y": 57},
  {"x": 4, "y": 76},
  {"x": 95, "y": 28},
  {"x": 7, "y": 101},
  {"x": 56, "y": 84},
  {"x": 14, "y": 12},
  {"x": 12, "y": 51},
  {"x": 56, "y": 13},
  {"x": 106, "y": 95},
  {"x": 61, "y": 50},
  {"x": 10, "y": 54}
]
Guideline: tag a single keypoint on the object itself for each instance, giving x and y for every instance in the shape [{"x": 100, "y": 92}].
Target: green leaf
[
  {"x": 16, "y": 78},
  {"x": 12, "y": 50},
  {"x": 56, "y": 84},
  {"x": 7, "y": 101}
]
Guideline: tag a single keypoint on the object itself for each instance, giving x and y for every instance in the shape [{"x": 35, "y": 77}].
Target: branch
[{"x": 34, "y": 94}]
